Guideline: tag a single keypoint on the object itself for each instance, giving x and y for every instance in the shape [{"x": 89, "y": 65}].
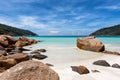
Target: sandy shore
[{"x": 63, "y": 58}]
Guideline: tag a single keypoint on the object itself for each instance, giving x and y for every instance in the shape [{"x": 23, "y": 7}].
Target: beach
[{"x": 62, "y": 56}]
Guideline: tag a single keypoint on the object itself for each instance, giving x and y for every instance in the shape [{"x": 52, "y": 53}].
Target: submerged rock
[
  {"x": 29, "y": 70},
  {"x": 80, "y": 69},
  {"x": 101, "y": 63},
  {"x": 90, "y": 43}
]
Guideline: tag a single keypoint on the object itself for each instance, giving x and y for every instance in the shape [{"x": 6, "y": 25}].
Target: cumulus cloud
[{"x": 32, "y": 22}]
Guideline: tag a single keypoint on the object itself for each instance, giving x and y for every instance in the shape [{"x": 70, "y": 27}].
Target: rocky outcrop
[
  {"x": 90, "y": 43},
  {"x": 23, "y": 41},
  {"x": 7, "y": 41},
  {"x": 116, "y": 66},
  {"x": 101, "y": 63},
  {"x": 80, "y": 69},
  {"x": 29, "y": 70}
]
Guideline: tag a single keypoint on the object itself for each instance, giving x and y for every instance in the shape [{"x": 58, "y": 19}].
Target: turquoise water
[{"x": 111, "y": 42}]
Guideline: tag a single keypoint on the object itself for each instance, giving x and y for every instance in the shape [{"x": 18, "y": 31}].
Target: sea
[{"x": 112, "y": 43}]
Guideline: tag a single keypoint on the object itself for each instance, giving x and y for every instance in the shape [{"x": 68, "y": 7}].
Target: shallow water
[{"x": 112, "y": 43}]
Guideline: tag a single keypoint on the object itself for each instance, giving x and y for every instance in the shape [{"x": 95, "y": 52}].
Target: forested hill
[
  {"x": 109, "y": 31},
  {"x": 5, "y": 29}
]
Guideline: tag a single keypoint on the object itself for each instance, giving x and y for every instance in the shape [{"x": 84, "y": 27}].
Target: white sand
[{"x": 63, "y": 58}]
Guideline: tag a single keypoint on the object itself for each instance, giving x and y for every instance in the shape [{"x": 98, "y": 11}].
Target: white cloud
[
  {"x": 81, "y": 17},
  {"x": 112, "y": 7},
  {"x": 32, "y": 22},
  {"x": 94, "y": 23},
  {"x": 6, "y": 20},
  {"x": 54, "y": 31}
]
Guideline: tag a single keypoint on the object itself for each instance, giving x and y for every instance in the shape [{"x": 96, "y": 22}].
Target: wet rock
[
  {"x": 29, "y": 70},
  {"x": 116, "y": 66},
  {"x": 91, "y": 44},
  {"x": 80, "y": 69},
  {"x": 101, "y": 63}
]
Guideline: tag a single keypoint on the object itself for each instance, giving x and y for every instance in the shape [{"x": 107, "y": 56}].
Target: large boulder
[
  {"x": 29, "y": 70},
  {"x": 101, "y": 63},
  {"x": 19, "y": 57},
  {"x": 80, "y": 69},
  {"x": 90, "y": 43}
]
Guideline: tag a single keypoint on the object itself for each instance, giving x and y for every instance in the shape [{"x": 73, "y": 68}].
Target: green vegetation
[
  {"x": 5, "y": 29},
  {"x": 109, "y": 31}
]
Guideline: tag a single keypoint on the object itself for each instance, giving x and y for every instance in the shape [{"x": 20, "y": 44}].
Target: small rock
[
  {"x": 116, "y": 65},
  {"x": 42, "y": 50},
  {"x": 101, "y": 63},
  {"x": 39, "y": 56},
  {"x": 80, "y": 69},
  {"x": 95, "y": 71}
]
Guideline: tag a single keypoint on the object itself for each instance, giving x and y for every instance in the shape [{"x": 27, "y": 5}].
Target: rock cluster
[
  {"x": 90, "y": 43},
  {"x": 11, "y": 51},
  {"x": 7, "y": 41}
]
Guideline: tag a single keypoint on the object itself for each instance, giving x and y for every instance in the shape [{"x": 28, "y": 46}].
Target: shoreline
[{"x": 61, "y": 64}]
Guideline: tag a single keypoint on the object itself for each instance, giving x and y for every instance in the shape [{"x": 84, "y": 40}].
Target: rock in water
[
  {"x": 101, "y": 63},
  {"x": 80, "y": 69},
  {"x": 90, "y": 43},
  {"x": 29, "y": 70}
]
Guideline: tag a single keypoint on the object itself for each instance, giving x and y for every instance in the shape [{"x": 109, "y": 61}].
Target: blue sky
[{"x": 60, "y": 17}]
